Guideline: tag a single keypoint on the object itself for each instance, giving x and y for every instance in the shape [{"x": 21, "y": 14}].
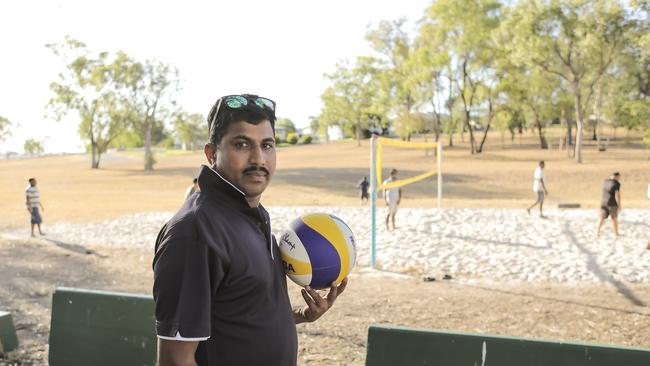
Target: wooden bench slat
[{"x": 405, "y": 346}]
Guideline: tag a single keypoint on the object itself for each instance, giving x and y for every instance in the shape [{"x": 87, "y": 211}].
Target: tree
[
  {"x": 189, "y": 129},
  {"x": 88, "y": 87},
  {"x": 576, "y": 40},
  {"x": 286, "y": 123},
  {"x": 5, "y": 126},
  {"x": 463, "y": 29},
  {"x": 429, "y": 63},
  {"x": 526, "y": 89},
  {"x": 33, "y": 147},
  {"x": 351, "y": 101},
  {"x": 395, "y": 74},
  {"x": 150, "y": 87}
]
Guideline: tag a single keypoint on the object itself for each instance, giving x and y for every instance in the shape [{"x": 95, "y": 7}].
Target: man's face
[
  {"x": 617, "y": 177},
  {"x": 541, "y": 165},
  {"x": 245, "y": 156},
  {"x": 33, "y": 182}
]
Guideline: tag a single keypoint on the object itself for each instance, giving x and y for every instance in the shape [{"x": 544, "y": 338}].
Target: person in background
[
  {"x": 610, "y": 204},
  {"x": 393, "y": 197},
  {"x": 539, "y": 187},
  {"x": 33, "y": 203},
  {"x": 193, "y": 188},
  {"x": 363, "y": 186}
]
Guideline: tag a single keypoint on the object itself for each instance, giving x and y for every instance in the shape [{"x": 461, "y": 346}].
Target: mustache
[{"x": 252, "y": 169}]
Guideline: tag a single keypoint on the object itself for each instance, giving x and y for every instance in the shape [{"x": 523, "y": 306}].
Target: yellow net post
[{"x": 377, "y": 182}]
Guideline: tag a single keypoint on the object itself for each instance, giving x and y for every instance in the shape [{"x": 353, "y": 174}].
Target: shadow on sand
[{"x": 594, "y": 267}]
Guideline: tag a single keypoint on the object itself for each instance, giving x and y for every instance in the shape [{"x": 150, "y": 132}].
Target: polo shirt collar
[{"x": 212, "y": 182}]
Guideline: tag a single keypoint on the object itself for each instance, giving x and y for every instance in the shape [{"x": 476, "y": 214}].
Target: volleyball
[{"x": 318, "y": 249}]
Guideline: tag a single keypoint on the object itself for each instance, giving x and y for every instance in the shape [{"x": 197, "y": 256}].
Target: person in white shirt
[
  {"x": 393, "y": 196},
  {"x": 33, "y": 203},
  {"x": 539, "y": 188}
]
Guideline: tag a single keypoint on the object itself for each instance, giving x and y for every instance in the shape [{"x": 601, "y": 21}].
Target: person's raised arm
[{"x": 176, "y": 353}]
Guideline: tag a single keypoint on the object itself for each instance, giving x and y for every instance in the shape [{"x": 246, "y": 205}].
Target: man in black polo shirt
[{"x": 219, "y": 285}]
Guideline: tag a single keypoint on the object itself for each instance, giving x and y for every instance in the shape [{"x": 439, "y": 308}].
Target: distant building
[
  {"x": 334, "y": 133},
  {"x": 282, "y": 132}
]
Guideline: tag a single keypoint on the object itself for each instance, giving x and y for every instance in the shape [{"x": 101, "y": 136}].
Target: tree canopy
[{"x": 510, "y": 65}]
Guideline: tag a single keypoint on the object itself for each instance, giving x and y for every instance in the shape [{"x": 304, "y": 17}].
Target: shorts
[
  {"x": 540, "y": 196},
  {"x": 606, "y": 211},
  {"x": 392, "y": 208},
  {"x": 364, "y": 194},
  {"x": 36, "y": 216}
]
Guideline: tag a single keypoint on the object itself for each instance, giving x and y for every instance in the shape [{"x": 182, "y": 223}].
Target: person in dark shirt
[
  {"x": 610, "y": 204},
  {"x": 219, "y": 288},
  {"x": 363, "y": 186}
]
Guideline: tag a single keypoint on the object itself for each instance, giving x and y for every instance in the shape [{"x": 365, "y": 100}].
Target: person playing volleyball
[{"x": 392, "y": 196}]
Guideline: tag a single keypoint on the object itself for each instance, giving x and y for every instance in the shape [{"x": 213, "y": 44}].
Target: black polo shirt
[{"x": 218, "y": 274}]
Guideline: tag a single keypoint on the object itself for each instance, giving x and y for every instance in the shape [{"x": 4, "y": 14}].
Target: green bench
[
  {"x": 8, "y": 338},
  {"x": 101, "y": 328},
  {"x": 403, "y": 346}
]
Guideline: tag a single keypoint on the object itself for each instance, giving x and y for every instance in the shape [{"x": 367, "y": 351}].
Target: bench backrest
[
  {"x": 403, "y": 346},
  {"x": 101, "y": 328}
]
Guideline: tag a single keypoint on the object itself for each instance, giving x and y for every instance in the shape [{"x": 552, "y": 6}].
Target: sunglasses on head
[{"x": 240, "y": 101}]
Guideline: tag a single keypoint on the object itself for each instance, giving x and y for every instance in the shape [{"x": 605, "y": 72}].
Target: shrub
[
  {"x": 292, "y": 138},
  {"x": 305, "y": 139}
]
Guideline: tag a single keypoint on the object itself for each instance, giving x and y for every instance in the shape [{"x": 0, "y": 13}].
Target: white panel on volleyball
[
  {"x": 349, "y": 240},
  {"x": 291, "y": 244},
  {"x": 302, "y": 280}
]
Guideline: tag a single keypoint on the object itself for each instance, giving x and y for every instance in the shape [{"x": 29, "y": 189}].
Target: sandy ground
[
  {"x": 587, "y": 312},
  {"x": 558, "y": 285},
  {"x": 598, "y": 293}
]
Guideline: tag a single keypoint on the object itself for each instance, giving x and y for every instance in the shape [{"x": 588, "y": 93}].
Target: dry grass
[{"x": 325, "y": 175}]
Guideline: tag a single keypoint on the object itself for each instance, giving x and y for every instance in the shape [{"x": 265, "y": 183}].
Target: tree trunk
[
  {"x": 579, "y": 124},
  {"x": 95, "y": 156},
  {"x": 598, "y": 110},
  {"x": 451, "y": 139},
  {"x": 569, "y": 133},
  {"x": 487, "y": 127},
  {"x": 358, "y": 132},
  {"x": 480, "y": 147},
  {"x": 472, "y": 142},
  {"x": 543, "y": 144},
  {"x": 148, "y": 156}
]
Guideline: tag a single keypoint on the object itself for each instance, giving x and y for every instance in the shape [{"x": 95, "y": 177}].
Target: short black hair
[
  {"x": 251, "y": 113},
  {"x": 616, "y": 174},
  {"x": 195, "y": 180},
  {"x": 31, "y": 180},
  {"x": 541, "y": 161}
]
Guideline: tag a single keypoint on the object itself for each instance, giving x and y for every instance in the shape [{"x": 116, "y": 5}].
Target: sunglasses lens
[
  {"x": 236, "y": 101},
  {"x": 265, "y": 103}
]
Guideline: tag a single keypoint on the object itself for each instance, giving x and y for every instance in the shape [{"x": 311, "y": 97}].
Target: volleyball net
[{"x": 377, "y": 182}]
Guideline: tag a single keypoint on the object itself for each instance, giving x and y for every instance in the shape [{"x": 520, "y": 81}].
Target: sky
[{"x": 279, "y": 49}]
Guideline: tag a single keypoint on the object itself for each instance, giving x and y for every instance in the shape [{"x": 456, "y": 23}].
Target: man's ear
[{"x": 210, "y": 153}]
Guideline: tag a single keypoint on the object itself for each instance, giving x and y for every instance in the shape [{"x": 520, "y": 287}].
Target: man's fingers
[
  {"x": 331, "y": 296},
  {"x": 343, "y": 285},
  {"x": 317, "y": 298},
  {"x": 308, "y": 299}
]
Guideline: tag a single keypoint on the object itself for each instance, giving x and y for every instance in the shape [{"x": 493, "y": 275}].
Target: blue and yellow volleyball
[{"x": 318, "y": 249}]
